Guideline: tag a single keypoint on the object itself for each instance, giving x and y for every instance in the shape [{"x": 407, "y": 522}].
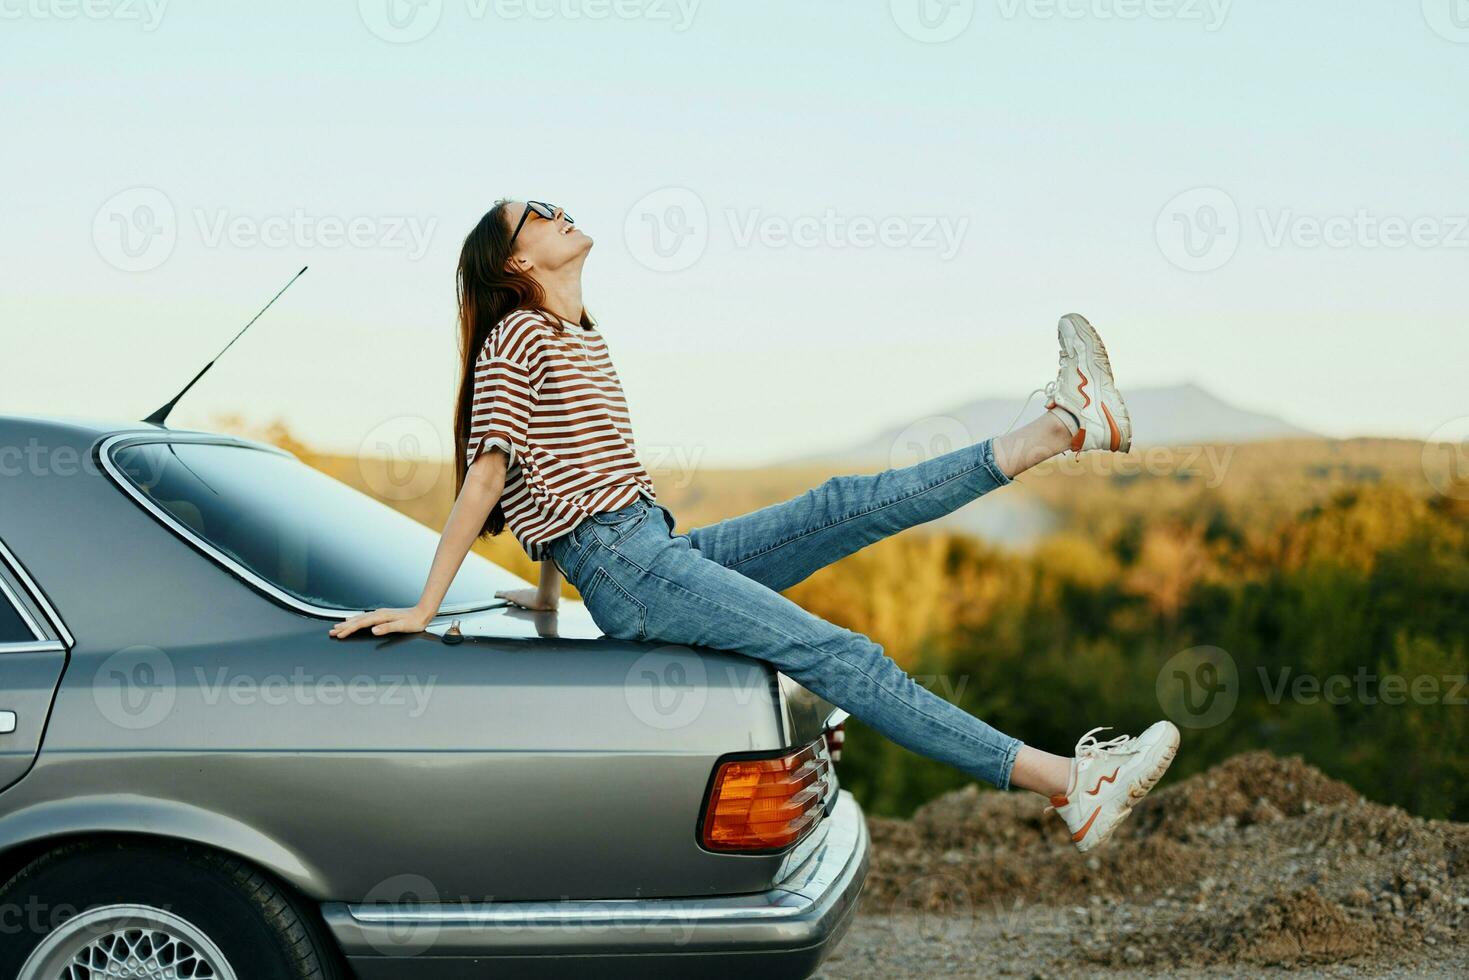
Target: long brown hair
[{"x": 489, "y": 290}]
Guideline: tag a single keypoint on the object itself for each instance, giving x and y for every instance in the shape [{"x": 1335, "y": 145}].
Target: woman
[{"x": 546, "y": 447}]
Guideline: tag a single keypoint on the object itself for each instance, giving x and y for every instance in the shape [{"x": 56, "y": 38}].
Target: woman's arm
[
  {"x": 483, "y": 485},
  {"x": 547, "y": 596}
]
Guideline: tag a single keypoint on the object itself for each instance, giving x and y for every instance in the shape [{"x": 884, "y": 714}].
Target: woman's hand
[
  {"x": 385, "y": 621},
  {"x": 529, "y": 599}
]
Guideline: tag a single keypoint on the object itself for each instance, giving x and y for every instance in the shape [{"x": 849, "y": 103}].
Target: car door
[{"x": 33, "y": 649}]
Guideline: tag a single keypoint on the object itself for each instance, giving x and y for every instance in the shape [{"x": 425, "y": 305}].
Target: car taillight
[
  {"x": 836, "y": 737},
  {"x": 767, "y": 804}
]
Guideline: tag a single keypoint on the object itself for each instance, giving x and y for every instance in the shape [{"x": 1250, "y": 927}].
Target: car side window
[{"x": 13, "y": 628}]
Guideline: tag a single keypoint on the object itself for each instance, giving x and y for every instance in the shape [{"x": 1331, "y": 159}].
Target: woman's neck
[{"x": 563, "y": 298}]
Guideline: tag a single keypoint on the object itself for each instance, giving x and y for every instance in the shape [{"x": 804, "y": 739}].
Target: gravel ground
[
  {"x": 1261, "y": 864},
  {"x": 884, "y": 947}
]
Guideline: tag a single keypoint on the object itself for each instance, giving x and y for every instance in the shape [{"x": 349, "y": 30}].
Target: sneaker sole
[
  {"x": 1123, "y": 420},
  {"x": 1135, "y": 792}
]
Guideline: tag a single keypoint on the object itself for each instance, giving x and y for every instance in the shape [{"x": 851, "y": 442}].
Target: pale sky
[{"x": 814, "y": 220}]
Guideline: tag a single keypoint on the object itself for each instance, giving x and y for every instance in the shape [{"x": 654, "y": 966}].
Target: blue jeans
[{"x": 719, "y": 587}]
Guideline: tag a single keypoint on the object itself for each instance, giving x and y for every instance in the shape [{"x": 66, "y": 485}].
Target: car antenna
[{"x": 160, "y": 417}]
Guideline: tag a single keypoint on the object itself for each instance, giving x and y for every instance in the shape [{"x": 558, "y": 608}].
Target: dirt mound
[
  {"x": 1261, "y": 860},
  {"x": 1254, "y": 788}
]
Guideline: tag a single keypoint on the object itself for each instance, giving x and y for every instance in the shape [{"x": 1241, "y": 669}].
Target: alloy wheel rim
[{"x": 127, "y": 942}]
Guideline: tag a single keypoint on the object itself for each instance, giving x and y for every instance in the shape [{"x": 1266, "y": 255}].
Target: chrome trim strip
[
  {"x": 104, "y": 456},
  {"x": 837, "y": 717},
  {"x": 39, "y": 646},
  {"x": 37, "y": 595}
]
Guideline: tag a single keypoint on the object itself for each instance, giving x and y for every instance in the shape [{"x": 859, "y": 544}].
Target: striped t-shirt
[{"x": 547, "y": 394}]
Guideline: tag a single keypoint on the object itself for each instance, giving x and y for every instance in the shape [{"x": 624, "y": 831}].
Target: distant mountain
[{"x": 1177, "y": 415}]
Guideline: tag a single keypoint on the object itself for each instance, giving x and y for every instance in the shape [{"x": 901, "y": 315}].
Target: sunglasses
[{"x": 542, "y": 210}]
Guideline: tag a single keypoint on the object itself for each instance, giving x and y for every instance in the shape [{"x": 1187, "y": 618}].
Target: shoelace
[
  {"x": 1090, "y": 748},
  {"x": 1049, "y": 391}
]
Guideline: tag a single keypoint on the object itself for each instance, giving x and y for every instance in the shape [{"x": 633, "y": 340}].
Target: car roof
[{"x": 81, "y": 431}]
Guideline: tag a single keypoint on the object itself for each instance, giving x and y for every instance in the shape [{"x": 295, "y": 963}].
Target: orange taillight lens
[{"x": 767, "y": 804}]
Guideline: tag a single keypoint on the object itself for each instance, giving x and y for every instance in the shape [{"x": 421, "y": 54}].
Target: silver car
[{"x": 197, "y": 782}]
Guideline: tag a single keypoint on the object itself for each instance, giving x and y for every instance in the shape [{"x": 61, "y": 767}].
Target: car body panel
[{"x": 27, "y": 684}]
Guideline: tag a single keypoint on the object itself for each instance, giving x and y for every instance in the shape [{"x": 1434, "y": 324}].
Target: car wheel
[{"x": 120, "y": 909}]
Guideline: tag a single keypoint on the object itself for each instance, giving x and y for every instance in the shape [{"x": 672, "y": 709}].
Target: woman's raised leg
[{"x": 784, "y": 543}]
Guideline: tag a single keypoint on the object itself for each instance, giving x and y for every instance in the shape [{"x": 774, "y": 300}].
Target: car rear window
[{"x": 310, "y": 536}]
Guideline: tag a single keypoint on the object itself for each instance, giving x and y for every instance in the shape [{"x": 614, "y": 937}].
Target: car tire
[{"x": 186, "y": 910}]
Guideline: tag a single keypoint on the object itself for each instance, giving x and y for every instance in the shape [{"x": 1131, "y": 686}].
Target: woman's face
[{"x": 546, "y": 244}]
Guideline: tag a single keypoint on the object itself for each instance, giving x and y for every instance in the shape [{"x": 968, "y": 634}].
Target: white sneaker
[
  {"x": 1084, "y": 386},
  {"x": 1108, "y": 779}
]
